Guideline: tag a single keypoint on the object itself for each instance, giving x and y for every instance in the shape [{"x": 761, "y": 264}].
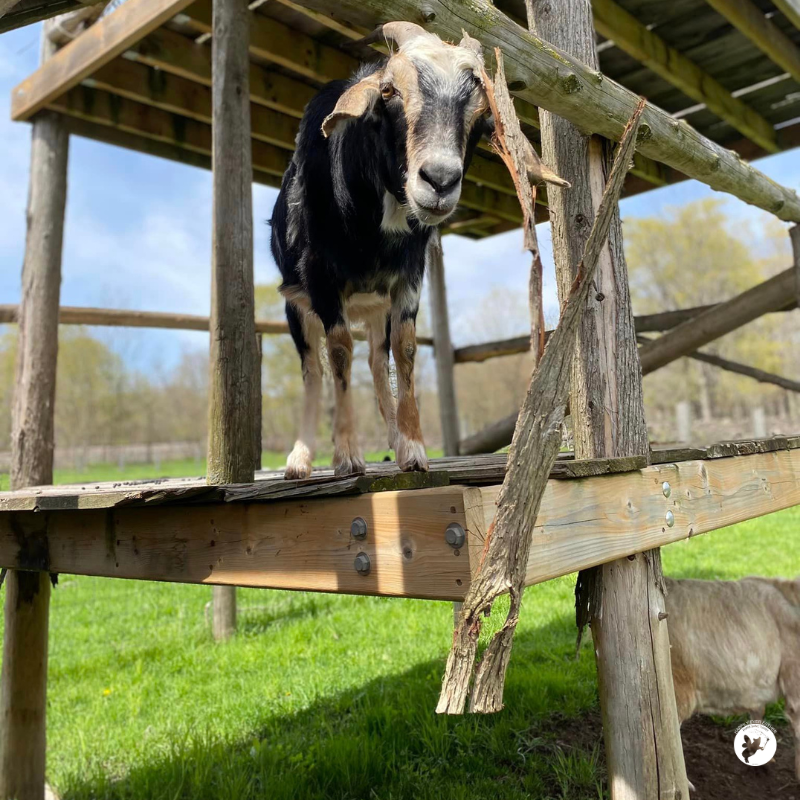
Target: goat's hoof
[
  {"x": 411, "y": 455},
  {"x": 298, "y": 465},
  {"x": 348, "y": 463}
]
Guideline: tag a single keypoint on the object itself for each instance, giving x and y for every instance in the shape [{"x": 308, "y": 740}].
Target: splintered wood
[
  {"x": 534, "y": 449},
  {"x": 526, "y": 169}
]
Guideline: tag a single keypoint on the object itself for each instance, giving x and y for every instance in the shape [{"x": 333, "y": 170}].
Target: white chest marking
[{"x": 394, "y": 216}]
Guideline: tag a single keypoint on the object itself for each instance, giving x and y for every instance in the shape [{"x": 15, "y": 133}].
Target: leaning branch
[{"x": 533, "y": 451}]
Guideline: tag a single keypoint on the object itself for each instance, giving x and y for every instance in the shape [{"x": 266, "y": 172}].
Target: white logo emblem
[{"x": 755, "y": 743}]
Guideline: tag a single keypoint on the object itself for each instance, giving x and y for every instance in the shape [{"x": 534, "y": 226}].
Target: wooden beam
[
  {"x": 232, "y": 356},
  {"x": 790, "y": 9},
  {"x": 23, "y": 681},
  {"x": 615, "y": 23},
  {"x": 751, "y": 372},
  {"x": 772, "y": 295},
  {"x": 151, "y": 147},
  {"x": 177, "y": 55},
  {"x": 762, "y": 32},
  {"x": 103, "y": 42},
  {"x": 124, "y": 318},
  {"x": 95, "y": 105},
  {"x": 593, "y": 521},
  {"x": 18, "y": 13},
  {"x": 138, "y": 82},
  {"x": 305, "y": 544},
  {"x": 567, "y": 87}
]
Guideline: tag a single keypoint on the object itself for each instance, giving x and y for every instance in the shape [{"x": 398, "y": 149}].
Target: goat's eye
[{"x": 387, "y": 91}]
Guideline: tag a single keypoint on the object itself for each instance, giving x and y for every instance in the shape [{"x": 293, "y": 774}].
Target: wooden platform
[{"x": 297, "y": 534}]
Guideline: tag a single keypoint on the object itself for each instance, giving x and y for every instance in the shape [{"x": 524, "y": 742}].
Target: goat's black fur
[{"x": 326, "y": 236}]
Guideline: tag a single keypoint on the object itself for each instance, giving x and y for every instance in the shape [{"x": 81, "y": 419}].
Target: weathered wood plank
[
  {"x": 593, "y": 521},
  {"x": 100, "y": 44},
  {"x": 647, "y": 47},
  {"x": 791, "y": 10},
  {"x": 294, "y": 545},
  {"x": 771, "y": 295},
  {"x": 765, "y": 34},
  {"x": 567, "y": 87}
]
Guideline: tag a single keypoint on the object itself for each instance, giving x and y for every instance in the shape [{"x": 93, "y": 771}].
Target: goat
[
  {"x": 735, "y": 646},
  {"x": 378, "y": 166}
]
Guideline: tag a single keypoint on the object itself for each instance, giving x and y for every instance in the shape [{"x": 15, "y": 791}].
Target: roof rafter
[
  {"x": 614, "y": 22},
  {"x": 763, "y": 33}
]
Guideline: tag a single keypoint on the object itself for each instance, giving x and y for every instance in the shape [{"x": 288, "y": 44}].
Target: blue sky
[{"x": 138, "y": 233}]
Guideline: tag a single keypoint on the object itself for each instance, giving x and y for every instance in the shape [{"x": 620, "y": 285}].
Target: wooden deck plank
[
  {"x": 304, "y": 543},
  {"x": 101, "y": 43}
]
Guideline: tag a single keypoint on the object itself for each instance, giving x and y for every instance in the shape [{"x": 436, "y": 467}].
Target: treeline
[{"x": 691, "y": 256}]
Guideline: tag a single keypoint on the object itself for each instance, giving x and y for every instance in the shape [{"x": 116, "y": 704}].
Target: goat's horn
[{"x": 403, "y": 32}]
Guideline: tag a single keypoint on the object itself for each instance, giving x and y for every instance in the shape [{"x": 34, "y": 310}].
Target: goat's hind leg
[
  {"x": 347, "y": 457},
  {"x": 378, "y": 327},
  {"x": 307, "y": 333}
]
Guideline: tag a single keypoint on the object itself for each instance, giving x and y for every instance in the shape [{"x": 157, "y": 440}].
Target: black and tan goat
[{"x": 378, "y": 166}]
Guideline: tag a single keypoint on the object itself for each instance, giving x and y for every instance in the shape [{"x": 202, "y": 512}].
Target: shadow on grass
[{"x": 383, "y": 741}]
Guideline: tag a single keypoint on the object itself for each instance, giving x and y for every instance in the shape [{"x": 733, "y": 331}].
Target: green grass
[{"x": 324, "y": 696}]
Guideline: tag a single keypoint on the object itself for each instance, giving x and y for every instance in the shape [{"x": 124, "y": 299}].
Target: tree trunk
[
  {"x": 23, "y": 684},
  {"x": 232, "y": 410},
  {"x": 642, "y": 736}
]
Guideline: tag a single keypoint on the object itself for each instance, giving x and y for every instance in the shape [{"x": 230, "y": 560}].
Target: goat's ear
[{"x": 354, "y": 103}]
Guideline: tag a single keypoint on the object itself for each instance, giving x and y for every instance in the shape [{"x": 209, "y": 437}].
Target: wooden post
[
  {"x": 794, "y": 235},
  {"x": 683, "y": 419},
  {"x": 231, "y": 397},
  {"x": 640, "y": 721},
  {"x": 23, "y": 684},
  {"x": 443, "y": 347},
  {"x": 759, "y": 423}
]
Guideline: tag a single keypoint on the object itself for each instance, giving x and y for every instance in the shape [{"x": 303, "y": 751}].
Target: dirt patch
[
  {"x": 717, "y": 774},
  {"x": 711, "y": 764}
]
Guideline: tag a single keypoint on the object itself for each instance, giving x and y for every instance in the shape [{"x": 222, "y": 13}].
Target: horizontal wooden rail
[
  {"x": 122, "y": 318},
  {"x": 306, "y": 544}
]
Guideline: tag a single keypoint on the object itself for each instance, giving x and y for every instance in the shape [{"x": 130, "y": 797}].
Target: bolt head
[
  {"x": 362, "y": 564},
  {"x": 454, "y": 535},
  {"x": 666, "y": 488},
  {"x": 358, "y": 528},
  {"x": 670, "y": 519}
]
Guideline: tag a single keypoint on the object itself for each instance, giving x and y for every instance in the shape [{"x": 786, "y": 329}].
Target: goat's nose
[{"x": 443, "y": 176}]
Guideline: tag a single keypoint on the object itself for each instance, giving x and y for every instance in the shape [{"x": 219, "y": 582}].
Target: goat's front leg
[
  {"x": 378, "y": 337},
  {"x": 410, "y": 448},
  {"x": 347, "y": 457}
]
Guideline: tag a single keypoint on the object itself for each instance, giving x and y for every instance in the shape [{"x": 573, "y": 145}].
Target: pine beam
[
  {"x": 103, "y": 42},
  {"x": 791, "y": 10},
  {"x": 615, "y": 23},
  {"x": 762, "y": 32}
]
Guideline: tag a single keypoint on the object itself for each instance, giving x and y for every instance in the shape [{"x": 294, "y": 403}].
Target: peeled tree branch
[{"x": 537, "y": 439}]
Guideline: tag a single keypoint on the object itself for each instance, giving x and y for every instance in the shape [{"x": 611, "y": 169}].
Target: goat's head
[{"x": 431, "y": 95}]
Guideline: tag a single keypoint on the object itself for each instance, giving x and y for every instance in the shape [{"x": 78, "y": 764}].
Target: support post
[
  {"x": 233, "y": 338},
  {"x": 640, "y": 721},
  {"x": 23, "y": 683},
  {"x": 683, "y": 419},
  {"x": 794, "y": 235},
  {"x": 443, "y": 347}
]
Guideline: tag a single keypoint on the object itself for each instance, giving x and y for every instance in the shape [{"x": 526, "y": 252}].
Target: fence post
[
  {"x": 443, "y": 347},
  {"x": 683, "y": 417},
  {"x": 23, "y": 684},
  {"x": 232, "y": 325},
  {"x": 622, "y": 599},
  {"x": 759, "y": 423}
]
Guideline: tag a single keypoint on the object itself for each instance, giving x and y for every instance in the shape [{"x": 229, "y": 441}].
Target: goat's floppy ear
[{"x": 354, "y": 103}]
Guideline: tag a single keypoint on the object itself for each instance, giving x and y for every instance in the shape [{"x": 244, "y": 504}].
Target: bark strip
[{"x": 536, "y": 442}]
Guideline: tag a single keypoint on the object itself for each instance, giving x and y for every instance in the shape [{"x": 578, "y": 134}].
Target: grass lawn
[{"x": 323, "y": 696}]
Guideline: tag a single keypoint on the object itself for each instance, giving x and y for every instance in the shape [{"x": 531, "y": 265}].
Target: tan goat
[{"x": 736, "y": 647}]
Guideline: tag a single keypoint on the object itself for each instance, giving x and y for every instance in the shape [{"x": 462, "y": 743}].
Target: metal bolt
[
  {"x": 666, "y": 488},
  {"x": 662, "y": 615},
  {"x": 358, "y": 528},
  {"x": 362, "y": 564},
  {"x": 454, "y": 535},
  {"x": 670, "y": 519}
]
